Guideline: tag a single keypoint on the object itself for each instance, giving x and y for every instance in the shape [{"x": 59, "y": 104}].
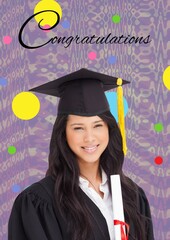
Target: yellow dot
[
  {"x": 25, "y": 105},
  {"x": 49, "y": 18},
  {"x": 166, "y": 77}
]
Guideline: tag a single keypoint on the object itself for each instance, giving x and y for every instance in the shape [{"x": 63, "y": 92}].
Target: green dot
[
  {"x": 158, "y": 127},
  {"x": 11, "y": 150},
  {"x": 116, "y": 18}
]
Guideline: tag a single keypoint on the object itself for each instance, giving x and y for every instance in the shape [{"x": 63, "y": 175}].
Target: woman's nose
[{"x": 89, "y": 136}]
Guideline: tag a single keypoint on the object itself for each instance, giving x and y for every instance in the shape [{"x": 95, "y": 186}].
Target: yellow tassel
[{"x": 120, "y": 107}]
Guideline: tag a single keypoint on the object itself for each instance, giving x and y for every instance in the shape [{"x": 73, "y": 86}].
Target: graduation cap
[{"x": 82, "y": 93}]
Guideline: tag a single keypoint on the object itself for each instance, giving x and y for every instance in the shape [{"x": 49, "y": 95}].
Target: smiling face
[{"x": 87, "y": 137}]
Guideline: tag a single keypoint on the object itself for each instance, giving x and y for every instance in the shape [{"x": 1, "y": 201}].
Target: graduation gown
[{"x": 35, "y": 217}]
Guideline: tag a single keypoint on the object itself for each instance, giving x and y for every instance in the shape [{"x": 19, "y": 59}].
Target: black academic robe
[{"x": 35, "y": 217}]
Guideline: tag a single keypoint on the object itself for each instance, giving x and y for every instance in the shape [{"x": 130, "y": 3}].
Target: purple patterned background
[{"x": 147, "y": 97}]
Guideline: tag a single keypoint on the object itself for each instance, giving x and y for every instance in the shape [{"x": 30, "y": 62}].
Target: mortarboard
[{"x": 82, "y": 93}]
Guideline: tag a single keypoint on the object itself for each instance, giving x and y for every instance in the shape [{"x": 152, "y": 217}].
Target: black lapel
[{"x": 99, "y": 223}]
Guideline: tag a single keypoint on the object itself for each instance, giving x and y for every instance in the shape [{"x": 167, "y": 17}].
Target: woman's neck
[{"x": 91, "y": 171}]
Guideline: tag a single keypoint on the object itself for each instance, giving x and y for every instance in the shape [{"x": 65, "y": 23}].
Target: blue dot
[
  {"x": 112, "y": 59},
  {"x": 65, "y": 24},
  {"x": 112, "y": 99},
  {"x": 3, "y": 82},
  {"x": 16, "y": 188}
]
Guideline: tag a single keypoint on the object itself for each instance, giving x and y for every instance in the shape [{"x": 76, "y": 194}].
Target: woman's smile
[{"x": 90, "y": 149}]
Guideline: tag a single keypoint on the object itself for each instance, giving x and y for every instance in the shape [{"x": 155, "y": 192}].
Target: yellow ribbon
[{"x": 120, "y": 107}]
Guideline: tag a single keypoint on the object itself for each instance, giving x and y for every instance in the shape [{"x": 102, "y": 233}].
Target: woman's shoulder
[
  {"x": 33, "y": 214},
  {"x": 142, "y": 201},
  {"x": 139, "y": 190},
  {"x": 140, "y": 194},
  {"x": 39, "y": 192}
]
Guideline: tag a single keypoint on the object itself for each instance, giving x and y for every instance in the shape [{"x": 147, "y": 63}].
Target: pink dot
[
  {"x": 45, "y": 28},
  {"x": 158, "y": 160},
  {"x": 92, "y": 55},
  {"x": 7, "y": 40}
]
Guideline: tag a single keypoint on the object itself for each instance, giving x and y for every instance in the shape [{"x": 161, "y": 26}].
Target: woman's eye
[
  {"x": 98, "y": 125},
  {"x": 78, "y": 128}
]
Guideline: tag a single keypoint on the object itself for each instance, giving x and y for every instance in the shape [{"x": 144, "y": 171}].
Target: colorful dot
[
  {"x": 25, "y": 105},
  {"x": 112, "y": 99},
  {"x": 65, "y": 24},
  {"x": 46, "y": 27},
  {"x": 116, "y": 18},
  {"x": 16, "y": 188},
  {"x": 166, "y": 77},
  {"x": 7, "y": 40},
  {"x": 92, "y": 55},
  {"x": 12, "y": 150},
  {"x": 158, "y": 127},
  {"x": 49, "y": 18},
  {"x": 158, "y": 160},
  {"x": 3, "y": 82},
  {"x": 112, "y": 59}
]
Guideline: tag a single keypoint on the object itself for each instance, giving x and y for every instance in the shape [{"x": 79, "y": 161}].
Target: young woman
[{"x": 74, "y": 200}]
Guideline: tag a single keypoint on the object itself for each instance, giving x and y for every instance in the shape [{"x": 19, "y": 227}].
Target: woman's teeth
[{"x": 90, "y": 149}]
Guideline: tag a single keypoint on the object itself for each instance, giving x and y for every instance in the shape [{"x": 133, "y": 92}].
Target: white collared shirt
[{"x": 104, "y": 204}]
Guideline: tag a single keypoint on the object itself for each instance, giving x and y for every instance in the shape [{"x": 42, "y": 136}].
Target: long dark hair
[{"x": 63, "y": 167}]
